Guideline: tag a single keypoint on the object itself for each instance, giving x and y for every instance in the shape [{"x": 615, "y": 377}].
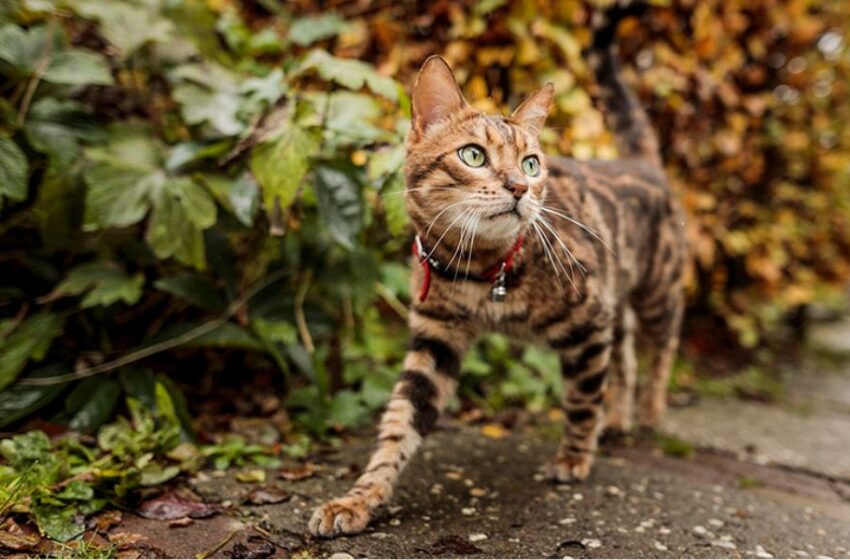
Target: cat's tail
[{"x": 623, "y": 112}]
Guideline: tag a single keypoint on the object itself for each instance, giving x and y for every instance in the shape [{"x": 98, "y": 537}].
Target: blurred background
[{"x": 202, "y": 226}]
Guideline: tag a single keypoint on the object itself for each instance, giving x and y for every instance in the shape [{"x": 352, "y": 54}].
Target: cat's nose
[{"x": 516, "y": 186}]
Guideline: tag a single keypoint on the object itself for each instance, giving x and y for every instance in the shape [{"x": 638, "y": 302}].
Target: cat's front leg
[
  {"x": 429, "y": 379},
  {"x": 584, "y": 368}
]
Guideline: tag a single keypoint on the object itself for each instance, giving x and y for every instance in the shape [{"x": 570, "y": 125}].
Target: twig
[
  {"x": 391, "y": 300},
  {"x": 39, "y": 71},
  {"x": 217, "y": 547},
  {"x": 300, "y": 320},
  {"x": 198, "y": 331}
]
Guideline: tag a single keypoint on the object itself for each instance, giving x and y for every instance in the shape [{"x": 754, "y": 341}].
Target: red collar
[{"x": 495, "y": 274}]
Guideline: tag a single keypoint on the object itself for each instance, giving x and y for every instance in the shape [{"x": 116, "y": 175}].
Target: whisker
[
  {"x": 569, "y": 275},
  {"x": 588, "y": 229},
  {"x": 571, "y": 258},
  {"x": 458, "y": 217}
]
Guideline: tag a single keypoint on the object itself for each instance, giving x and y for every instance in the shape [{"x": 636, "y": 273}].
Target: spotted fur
[{"x": 602, "y": 261}]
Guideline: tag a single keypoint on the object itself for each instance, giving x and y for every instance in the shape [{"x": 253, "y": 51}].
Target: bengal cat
[{"x": 576, "y": 255}]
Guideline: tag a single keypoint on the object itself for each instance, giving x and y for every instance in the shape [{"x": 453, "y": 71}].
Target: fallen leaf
[
  {"x": 254, "y": 549},
  {"x": 182, "y": 522},
  {"x": 124, "y": 540},
  {"x": 266, "y": 495},
  {"x": 299, "y": 473},
  {"x": 174, "y": 505},
  {"x": 106, "y": 520},
  {"x": 251, "y": 475},
  {"x": 18, "y": 541},
  {"x": 495, "y": 431}
]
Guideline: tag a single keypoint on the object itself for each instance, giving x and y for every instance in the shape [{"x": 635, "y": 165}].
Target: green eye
[
  {"x": 472, "y": 155},
  {"x": 531, "y": 166}
]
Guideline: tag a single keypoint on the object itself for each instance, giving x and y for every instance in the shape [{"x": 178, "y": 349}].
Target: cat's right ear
[{"x": 436, "y": 94}]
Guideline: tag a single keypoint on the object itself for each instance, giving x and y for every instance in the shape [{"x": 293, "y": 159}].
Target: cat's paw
[
  {"x": 570, "y": 469},
  {"x": 343, "y": 516}
]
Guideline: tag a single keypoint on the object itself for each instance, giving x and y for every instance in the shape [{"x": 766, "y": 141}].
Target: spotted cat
[{"x": 575, "y": 255}]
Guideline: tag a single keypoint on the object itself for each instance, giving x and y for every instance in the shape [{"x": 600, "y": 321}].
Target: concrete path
[{"x": 764, "y": 480}]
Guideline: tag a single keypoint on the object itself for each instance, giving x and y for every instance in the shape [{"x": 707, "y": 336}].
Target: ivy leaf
[
  {"x": 18, "y": 401},
  {"x": 280, "y": 164},
  {"x": 239, "y": 196},
  {"x": 126, "y": 26},
  {"x": 218, "y": 108},
  {"x": 338, "y": 192},
  {"x": 60, "y": 523},
  {"x": 22, "y": 49},
  {"x": 352, "y": 74},
  {"x": 181, "y": 210},
  {"x": 91, "y": 403},
  {"x": 55, "y": 128},
  {"x": 130, "y": 180},
  {"x": 13, "y": 170},
  {"x": 105, "y": 283},
  {"x": 347, "y": 409},
  {"x": 307, "y": 30},
  {"x": 393, "y": 203},
  {"x": 78, "y": 67},
  {"x": 28, "y": 341}
]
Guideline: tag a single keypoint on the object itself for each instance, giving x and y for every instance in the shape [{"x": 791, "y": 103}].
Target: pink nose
[{"x": 516, "y": 186}]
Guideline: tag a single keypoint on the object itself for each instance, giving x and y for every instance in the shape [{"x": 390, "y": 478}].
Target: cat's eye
[
  {"x": 531, "y": 166},
  {"x": 472, "y": 155}
]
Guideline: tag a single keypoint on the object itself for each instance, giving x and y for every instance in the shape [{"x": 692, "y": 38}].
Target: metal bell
[{"x": 498, "y": 292}]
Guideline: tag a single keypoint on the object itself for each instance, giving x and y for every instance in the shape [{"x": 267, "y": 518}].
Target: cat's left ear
[{"x": 533, "y": 111}]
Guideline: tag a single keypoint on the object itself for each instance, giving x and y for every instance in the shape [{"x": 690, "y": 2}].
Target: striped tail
[{"x": 623, "y": 112}]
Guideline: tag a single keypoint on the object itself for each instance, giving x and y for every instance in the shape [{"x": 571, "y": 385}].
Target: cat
[{"x": 575, "y": 255}]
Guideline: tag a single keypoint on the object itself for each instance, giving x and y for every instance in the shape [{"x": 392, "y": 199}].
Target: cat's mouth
[{"x": 510, "y": 211}]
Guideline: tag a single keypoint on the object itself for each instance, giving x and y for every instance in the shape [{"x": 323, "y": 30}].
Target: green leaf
[
  {"x": 104, "y": 284},
  {"x": 19, "y": 401},
  {"x": 76, "y": 490},
  {"x": 279, "y": 165},
  {"x": 24, "y": 449},
  {"x": 352, "y": 74},
  {"x": 78, "y": 67},
  {"x": 393, "y": 203},
  {"x": 218, "y": 108},
  {"x": 60, "y": 523},
  {"x": 28, "y": 341},
  {"x": 22, "y": 49},
  {"x": 228, "y": 335},
  {"x": 282, "y": 332},
  {"x": 126, "y": 26},
  {"x": 307, "y": 30},
  {"x": 239, "y": 196},
  {"x": 181, "y": 210},
  {"x": 347, "y": 409},
  {"x": 55, "y": 128},
  {"x": 194, "y": 288},
  {"x": 92, "y": 403},
  {"x": 338, "y": 192},
  {"x": 13, "y": 170},
  {"x": 352, "y": 116},
  {"x": 119, "y": 196}
]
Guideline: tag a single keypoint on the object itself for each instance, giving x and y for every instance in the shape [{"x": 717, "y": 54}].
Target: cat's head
[{"x": 472, "y": 172}]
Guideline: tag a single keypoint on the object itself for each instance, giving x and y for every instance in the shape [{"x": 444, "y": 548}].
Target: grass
[
  {"x": 673, "y": 446},
  {"x": 82, "y": 548},
  {"x": 747, "y": 483}
]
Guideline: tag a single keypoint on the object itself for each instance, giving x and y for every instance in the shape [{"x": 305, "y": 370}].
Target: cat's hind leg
[
  {"x": 620, "y": 394},
  {"x": 660, "y": 328}
]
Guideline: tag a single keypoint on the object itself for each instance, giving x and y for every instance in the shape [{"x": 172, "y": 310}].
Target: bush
[{"x": 216, "y": 185}]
